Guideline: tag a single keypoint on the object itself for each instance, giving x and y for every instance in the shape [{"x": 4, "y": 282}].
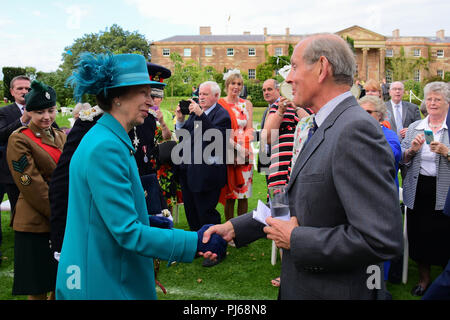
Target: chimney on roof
[
  {"x": 396, "y": 33},
  {"x": 440, "y": 34},
  {"x": 288, "y": 33},
  {"x": 265, "y": 31},
  {"x": 205, "y": 31},
  {"x": 247, "y": 33}
]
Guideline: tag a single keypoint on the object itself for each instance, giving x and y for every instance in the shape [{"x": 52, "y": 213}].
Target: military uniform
[
  {"x": 32, "y": 155},
  {"x": 31, "y": 167}
]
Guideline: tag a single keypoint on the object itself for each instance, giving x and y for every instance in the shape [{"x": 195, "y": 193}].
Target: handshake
[{"x": 216, "y": 246}]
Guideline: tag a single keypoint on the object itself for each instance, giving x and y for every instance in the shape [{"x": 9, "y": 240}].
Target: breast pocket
[{"x": 311, "y": 178}]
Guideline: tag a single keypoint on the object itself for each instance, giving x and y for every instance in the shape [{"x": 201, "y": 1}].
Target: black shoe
[
  {"x": 418, "y": 291},
  {"x": 211, "y": 263}
]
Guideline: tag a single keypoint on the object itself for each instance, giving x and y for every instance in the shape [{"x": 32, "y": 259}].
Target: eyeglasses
[{"x": 371, "y": 111}]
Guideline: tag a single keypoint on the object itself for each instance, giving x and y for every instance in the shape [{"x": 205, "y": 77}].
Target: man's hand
[
  {"x": 280, "y": 231},
  {"x": 178, "y": 115},
  {"x": 195, "y": 108},
  {"x": 225, "y": 230},
  {"x": 211, "y": 245}
]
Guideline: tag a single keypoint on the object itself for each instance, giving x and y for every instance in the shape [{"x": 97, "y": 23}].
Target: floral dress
[{"x": 243, "y": 137}]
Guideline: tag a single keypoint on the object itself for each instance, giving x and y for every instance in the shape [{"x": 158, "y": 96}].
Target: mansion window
[
  {"x": 187, "y": 52},
  {"x": 208, "y": 52},
  {"x": 389, "y": 53},
  {"x": 417, "y": 75},
  {"x": 416, "y": 53},
  {"x": 230, "y": 52},
  {"x": 440, "y": 73},
  {"x": 440, "y": 53},
  {"x": 166, "y": 52},
  {"x": 251, "y": 52},
  {"x": 389, "y": 76},
  {"x": 252, "y": 73},
  {"x": 278, "y": 51}
]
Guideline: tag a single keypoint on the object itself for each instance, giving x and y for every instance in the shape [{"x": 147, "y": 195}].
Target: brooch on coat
[{"x": 20, "y": 166}]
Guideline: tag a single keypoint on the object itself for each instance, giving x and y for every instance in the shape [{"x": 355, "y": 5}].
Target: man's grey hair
[
  {"x": 338, "y": 54},
  {"x": 440, "y": 87},
  {"x": 21, "y": 77},
  {"x": 215, "y": 88},
  {"x": 398, "y": 82}
]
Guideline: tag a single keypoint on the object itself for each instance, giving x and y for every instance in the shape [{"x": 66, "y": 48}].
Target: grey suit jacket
[
  {"x": 343, "y": 193},
  {"x": 410, "y": 113}
]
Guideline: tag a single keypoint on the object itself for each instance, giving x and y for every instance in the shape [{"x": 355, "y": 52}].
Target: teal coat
[{"x": 108, "y": 246}]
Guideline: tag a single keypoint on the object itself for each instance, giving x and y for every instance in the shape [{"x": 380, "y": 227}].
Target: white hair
[
  {"x": 215, "y": 89},
  {"x": 438, "y": 87}
]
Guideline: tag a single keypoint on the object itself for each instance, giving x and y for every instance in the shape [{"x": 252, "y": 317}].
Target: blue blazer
[
  {"x": 212, "y": 173},
  {"x": 109, "y": 246},
  {"x": 394, "y": 143}
]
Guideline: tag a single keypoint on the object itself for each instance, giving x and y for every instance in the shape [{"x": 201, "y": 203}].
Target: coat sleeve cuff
[{"x": 184, "y": 246}]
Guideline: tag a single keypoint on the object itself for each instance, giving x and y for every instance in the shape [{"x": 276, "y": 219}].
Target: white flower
[
  {"x": 230, "y": 72},
  {"x": 89, "y": 114}
]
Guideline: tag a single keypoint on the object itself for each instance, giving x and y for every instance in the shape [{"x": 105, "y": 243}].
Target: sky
[{"x": 35, "y": 33}]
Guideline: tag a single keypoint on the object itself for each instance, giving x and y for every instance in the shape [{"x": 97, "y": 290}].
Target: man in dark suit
[
  {"x": 12, "y": 117},
  {"x": 204, "y": 172},
  {"x": 401, "y": 113},
  {"x": 339, "y": 233}
]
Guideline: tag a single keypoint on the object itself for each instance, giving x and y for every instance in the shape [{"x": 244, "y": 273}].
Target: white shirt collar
[
  {"x": 325, "y": 111},
  {"x": 423, "y": 125},
  {"x": 207, "y": 111},
  {"x": 21, "y": 107},
  {"x": 394, "y": 104}
]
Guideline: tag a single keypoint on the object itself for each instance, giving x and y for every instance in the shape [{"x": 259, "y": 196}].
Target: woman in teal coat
[{"x": 109, "y": 247}]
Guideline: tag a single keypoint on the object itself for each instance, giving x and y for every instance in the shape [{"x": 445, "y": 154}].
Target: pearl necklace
[{"x": 434, "y": 126}]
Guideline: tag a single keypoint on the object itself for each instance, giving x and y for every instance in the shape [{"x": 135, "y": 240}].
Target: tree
[
  {"x": 114, "y": 39},
  {"x": 187, "y": 74}
]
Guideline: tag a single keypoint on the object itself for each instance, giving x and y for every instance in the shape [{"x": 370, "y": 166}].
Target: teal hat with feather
[
  {"x": 41, "y": 96},
  {"x": 97, "y": 73}
]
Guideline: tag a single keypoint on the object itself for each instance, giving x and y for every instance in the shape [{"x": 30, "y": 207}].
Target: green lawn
[{"x": 244, "y": 274}]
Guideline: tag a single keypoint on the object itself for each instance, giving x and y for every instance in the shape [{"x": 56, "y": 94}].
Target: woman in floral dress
[{"x": 240, "y": 174}]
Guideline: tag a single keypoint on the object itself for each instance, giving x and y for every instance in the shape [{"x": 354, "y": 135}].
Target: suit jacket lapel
[
  {"x": 16, "y": 111},
  {"x": 318, "y": 137},
  {"x": 404, "y": 111},
  {"x": 392, "y": 117}
]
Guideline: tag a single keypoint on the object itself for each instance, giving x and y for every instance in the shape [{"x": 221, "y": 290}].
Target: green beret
[{"x": 40, "y": 97}]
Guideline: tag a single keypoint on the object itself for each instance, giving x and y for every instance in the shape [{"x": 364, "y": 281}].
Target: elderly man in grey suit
[
  {"x": 401, "y": 113},
  {"x": 344, "y": 206}
]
